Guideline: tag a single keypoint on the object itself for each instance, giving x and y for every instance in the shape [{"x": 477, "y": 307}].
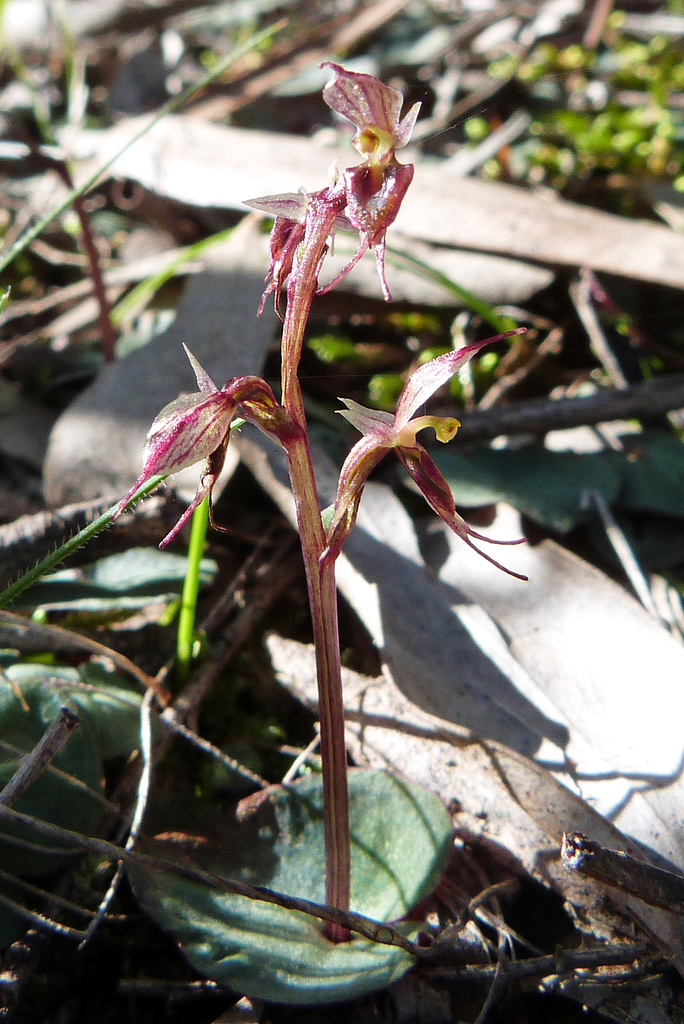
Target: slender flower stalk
[
  {"x": 366, "y": 199},
  {"x": 320, "y": 575},
  {"x": 188, "y": 605}
]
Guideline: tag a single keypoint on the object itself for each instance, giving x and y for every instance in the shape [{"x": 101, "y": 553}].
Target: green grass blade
[
  {"x": 403, "y": 261},
  {"x": 142, "y": 294}
]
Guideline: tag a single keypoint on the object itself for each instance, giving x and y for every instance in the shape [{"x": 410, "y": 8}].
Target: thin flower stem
[
  {"x": 300, "y": 292},
  {"x": 188, "y": 608},
  {"x": 320, "y": 578}
]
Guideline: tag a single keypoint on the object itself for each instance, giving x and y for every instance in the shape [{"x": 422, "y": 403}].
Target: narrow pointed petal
[
  {"x": 204, "y": 381},
  {"x": 143, "y": 478},
  {"x": 429, "y": 377},
  {"x": 404, "y": 129},
  {"x": 379, "y": 249},
  {"x": 210, "y": 474},
  {"x": 200, "y": 494},
  {"x": 361, "y": 251},
  {"x": 292, "y": 205},
  {"x": 368, "y": 421},
  {"x": 437, "y": 493},
  {"x": 460, "y": 527}
]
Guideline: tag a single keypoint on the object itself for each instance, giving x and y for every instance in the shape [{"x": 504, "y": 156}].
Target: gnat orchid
[
  {"x": 383, "y": 432},
  {"x": 370, "y": 193},
  {"x": 365, "y": 198},
  {"x": 196, "y": 427}
]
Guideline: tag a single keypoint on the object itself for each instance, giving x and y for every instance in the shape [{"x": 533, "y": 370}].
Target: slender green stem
[
  {"x": 320, "y": 578},
  {"x": 186, "y": 619}
]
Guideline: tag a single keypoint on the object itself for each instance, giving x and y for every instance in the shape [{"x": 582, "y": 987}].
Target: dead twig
[
  {"x": 649, "y": 398},
  {"x": 581, "y": 295},
  {"x": 597, "y": 23},
  {"x": 376, "y": 931},
  {"x": 274, "y": 577},
  {"x": 336, "y": 35},
  {"x": 550, "y": 346},
  {"x": 140, "y": 807},
  {"x": 107, "y": 331},
  {"x": 206, "y": 747},
  {"x": 44, "y": 752},
  {"x": 28, "y": 539},
  {"x": 655, "y": 886},
  {"x": 623, "y": 551},
  {"x": 17, "y": 630}
]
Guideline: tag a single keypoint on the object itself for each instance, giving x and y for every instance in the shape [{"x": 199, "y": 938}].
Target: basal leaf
[{"x": 401, "y": 838}]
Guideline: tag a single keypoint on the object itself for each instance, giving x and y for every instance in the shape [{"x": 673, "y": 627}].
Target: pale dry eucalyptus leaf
[
  {"x": 499, "y": 795},
  {"x": 205, "y": 164}
]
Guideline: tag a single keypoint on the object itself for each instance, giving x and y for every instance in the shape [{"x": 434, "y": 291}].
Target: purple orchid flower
[
  {"x": 290, "y": 211},
  {"x": 196, "y": 427},
  {"x": 383, "y": 432},
  {"x": 376, "y": 187},
  {"x": 371, "y": 193}
]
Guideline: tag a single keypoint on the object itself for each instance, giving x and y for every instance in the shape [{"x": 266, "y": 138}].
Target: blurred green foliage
[{"x": 605, "y": 111}]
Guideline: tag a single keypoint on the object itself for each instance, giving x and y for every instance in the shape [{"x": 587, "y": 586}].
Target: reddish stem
[
  {"x": 320, "y": 578},
  {"x": 107, "y": 332}
]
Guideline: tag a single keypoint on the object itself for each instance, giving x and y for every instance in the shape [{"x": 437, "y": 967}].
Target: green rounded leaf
[{"x": 401, "y": 839}]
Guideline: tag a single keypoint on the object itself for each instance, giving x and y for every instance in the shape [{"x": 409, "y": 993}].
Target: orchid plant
[{"x": 365, "y": 199}]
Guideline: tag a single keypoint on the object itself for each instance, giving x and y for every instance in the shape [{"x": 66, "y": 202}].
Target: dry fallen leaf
[
  {"x": 499, "y": 794},
  {"x": 205, "y": 164}
]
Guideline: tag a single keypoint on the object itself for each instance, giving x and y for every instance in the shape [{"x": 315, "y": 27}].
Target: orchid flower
[
  {"x": 196, "y": 427},
  {"x": 289, "y": 229},
  {"x": 365, "y": 198},
  {"x": 383, "y": 432},
  {"x": 374, "y": 109},
  {"x": 376, "y": 187}
]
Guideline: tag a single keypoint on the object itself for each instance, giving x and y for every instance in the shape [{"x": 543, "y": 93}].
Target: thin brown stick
[
  {"x": 375, "y": 931},
  {"x": 650, "y": 398},
  {"x": 561, "y": 963},
  {"x": 623, "y": 550},
  {"x": 619, "y": 870},
  {"x": 581, "y": 295},
  {"x": 29, "y": 538},
  {"x": 140, "y": 808},
  {"x": 550, "y": 346},
  {"x": 597, "y": 23},
  {"x": 17, "y": 625},
  {"x": 272, "y": 580},
  {"x": 107, "y": 331},
  {"x": 44, "y": 752},
  {"x": 277, "y": 575}
]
